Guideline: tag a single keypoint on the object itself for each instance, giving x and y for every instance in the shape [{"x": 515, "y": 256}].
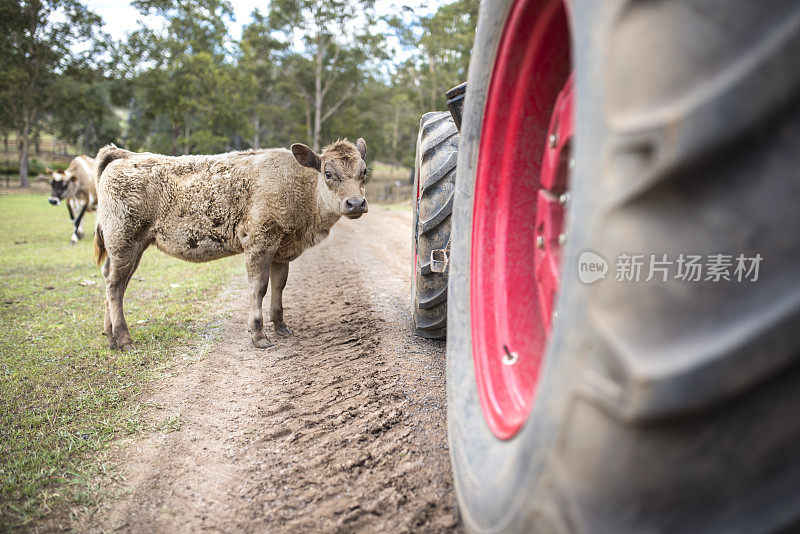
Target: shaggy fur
[
  {"x": 75, "y": 186},
  {"x": 200, "y": 208}
]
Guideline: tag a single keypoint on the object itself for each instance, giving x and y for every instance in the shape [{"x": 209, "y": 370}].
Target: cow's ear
[
  {"x": 361, "y": 145},
  {"x": 306, "y": 157},
  {"x": 48, "y": 170}
]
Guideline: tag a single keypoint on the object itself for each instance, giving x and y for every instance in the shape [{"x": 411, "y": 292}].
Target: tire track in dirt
[{"x": 339, "y": 428}]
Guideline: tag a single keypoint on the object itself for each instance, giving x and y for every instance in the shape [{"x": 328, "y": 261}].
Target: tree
[
  {"x": 328, "y": 68},
  {"x": 439, "y": 46},
  {"x": 35, "y": 46},
  {"x": 183, "y": 80},
  {"x": 265, "y": 94},
  {"x": 193, "y": 26},
  {"x": 81, "y": 111}
]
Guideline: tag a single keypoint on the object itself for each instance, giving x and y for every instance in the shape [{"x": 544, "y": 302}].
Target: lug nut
[
  {"x": 563, "y": 199},
  {"x": 562, "y": 238},
  {"x": 539, "y": 242},
  {"x": 553, "y": 140},
  {"x": 509, "y": 358}
]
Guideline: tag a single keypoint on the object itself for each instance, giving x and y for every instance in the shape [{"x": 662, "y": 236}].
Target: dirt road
[{"x": 340, "y": 427}]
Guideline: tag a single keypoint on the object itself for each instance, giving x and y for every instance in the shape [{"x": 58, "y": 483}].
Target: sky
[{"x": 120, "y": 18}]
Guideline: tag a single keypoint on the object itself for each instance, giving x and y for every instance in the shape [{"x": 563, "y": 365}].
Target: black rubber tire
[
  {"x": 662, "y": 406},
  {"x": 435, "y": 171}
]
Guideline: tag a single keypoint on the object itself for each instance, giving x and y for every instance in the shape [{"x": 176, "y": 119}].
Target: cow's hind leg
[
  {"x": 278, "y": 274},
  {"x": 258, "y": 268},
  {"x": 107, "y": 330},
  {"x": 122, "y": 264}
]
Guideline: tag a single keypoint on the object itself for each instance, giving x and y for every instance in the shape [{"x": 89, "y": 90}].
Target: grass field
[
  {"x": 386, "y": 171},
  {"x": 63, "y": 394}
]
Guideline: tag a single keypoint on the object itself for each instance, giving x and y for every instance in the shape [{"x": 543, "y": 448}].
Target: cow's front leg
[
  {"x": 278, "y": 273},
  {"x": 78, "y": 232},
  {"x": 258, "y": 266}
]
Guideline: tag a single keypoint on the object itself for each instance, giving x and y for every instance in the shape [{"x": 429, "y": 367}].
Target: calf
[
  {"x": 269, "y": 204},
  {"x": 75, "y": 186}
]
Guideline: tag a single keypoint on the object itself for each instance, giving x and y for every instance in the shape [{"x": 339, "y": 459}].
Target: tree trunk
[
  {"x": 23, "y": 154},
  {"x": 318, "y": 94},
  {"x": 186, "y": 144},
  {"x": 256, "y": 132},
  {"x": 435, "y": 91},
  {"x": 309, "y": 127},
  {"x": 173, "y": 140},
  {"x": 395, "y": 133}
]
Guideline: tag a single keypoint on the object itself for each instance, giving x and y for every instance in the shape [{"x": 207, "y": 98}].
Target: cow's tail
[
  {"x": 100, "y": 252},
  {"x": 106, "y": 155}
]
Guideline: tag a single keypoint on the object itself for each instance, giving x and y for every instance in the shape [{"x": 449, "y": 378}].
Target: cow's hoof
[
  {"x": 73, "y": 240},
  {"x": 262, "y": 343},
  {"x": 281, "y": 329},
  {"x": 79, "y": 234},
  {"x": 123, "y": 343}
]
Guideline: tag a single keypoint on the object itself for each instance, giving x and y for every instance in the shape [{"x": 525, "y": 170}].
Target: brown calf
[
  {"x": 270, "y": 204},
  {"x": 76, "y": 187}
]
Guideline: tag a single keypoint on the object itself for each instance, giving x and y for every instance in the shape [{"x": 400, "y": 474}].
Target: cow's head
[
  {"x": 343, "y": 167},
  {"x": 61, "y": 184}
]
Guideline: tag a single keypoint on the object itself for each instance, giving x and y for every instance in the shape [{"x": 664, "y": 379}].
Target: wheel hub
[
  {"x": 519, "y": 207},
  {"x": 551, "y": 204}
]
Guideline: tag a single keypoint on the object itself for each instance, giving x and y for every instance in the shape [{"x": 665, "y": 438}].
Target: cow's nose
[
  {"x": 354, "y": 206},
  {"x": 53, "y": 201}
]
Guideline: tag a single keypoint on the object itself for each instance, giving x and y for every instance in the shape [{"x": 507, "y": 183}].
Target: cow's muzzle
[
  {"x": 354, "y": 207},
  {"x": 54, "y": 201}
]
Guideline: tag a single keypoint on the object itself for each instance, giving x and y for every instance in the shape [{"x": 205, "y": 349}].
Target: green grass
[
  {"x": 381, "y": 171},
  {"x": 63, "y": 394},
  {"x": 406, "y": 205}
]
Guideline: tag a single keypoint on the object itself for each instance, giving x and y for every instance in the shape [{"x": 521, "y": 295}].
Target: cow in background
[{"x": 75, "y": 186}]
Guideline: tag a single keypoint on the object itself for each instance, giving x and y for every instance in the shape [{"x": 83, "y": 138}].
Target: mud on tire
[{"x": 434, "y": 181}]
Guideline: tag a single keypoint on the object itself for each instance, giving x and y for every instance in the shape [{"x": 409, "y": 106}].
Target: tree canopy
[{"x": 306, "y": 71}]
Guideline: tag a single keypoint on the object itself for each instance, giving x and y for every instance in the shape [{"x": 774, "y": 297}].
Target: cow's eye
[{"x": 328, "y": 175}]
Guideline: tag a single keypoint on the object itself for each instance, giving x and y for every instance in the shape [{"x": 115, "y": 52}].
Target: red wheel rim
[{"x": 518, "y": 215}]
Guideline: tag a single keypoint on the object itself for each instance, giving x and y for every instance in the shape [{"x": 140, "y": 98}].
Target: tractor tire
[
  {"x": 663, "y": 405},
  {"x": 434, "y": 181}
]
